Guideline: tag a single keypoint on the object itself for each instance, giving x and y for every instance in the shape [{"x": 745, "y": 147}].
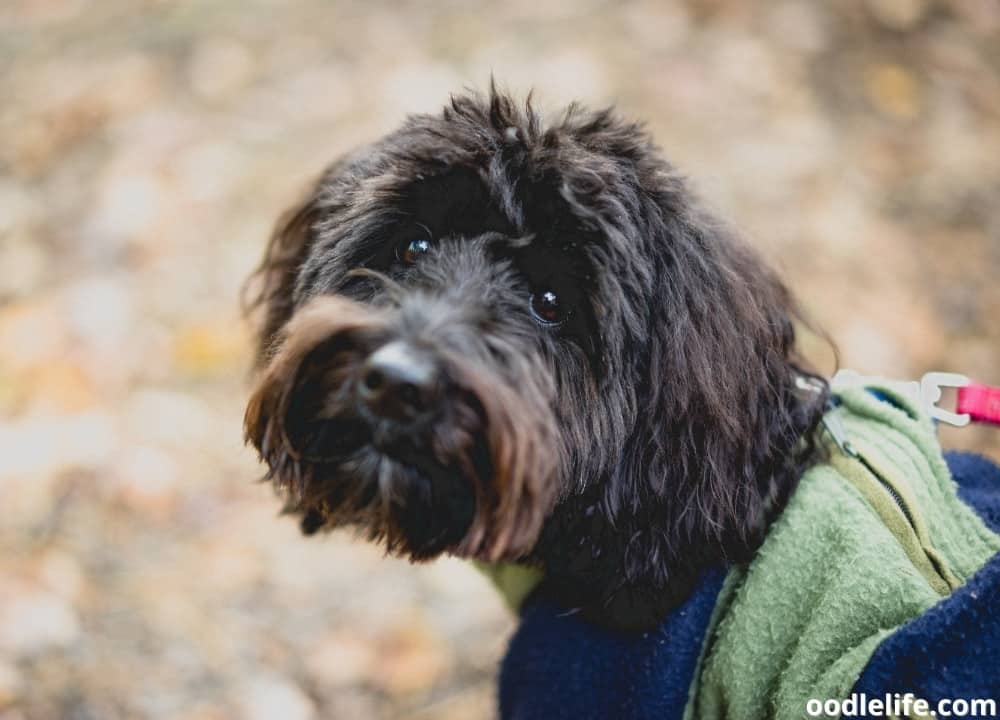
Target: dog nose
[{"x": 398, "y": 382}]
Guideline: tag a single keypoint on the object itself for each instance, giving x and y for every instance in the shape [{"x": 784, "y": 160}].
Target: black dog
[{"x": 499, "y": 340}]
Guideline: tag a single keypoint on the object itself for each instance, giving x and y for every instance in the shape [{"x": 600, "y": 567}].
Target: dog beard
[{"x": 471, "y": 474}]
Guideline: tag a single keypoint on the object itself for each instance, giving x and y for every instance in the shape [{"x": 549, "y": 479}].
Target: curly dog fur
[{"x": 615, "y": 397}]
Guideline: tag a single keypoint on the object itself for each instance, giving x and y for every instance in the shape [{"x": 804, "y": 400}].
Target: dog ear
[
  {"x": 730, "y": 415},
  {"x": 270, "y": 289},
  {"x": 725, "y": 425},
  {"x": 724, "y": 413}
]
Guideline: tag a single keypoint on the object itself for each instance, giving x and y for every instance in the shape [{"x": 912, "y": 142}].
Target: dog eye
[
  {"x": 547, "y": 308},
  {"x": 413, "y": 250}
]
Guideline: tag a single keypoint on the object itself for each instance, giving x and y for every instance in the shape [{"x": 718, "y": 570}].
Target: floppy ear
[
  {"x": 730, "y": 412},
  {"x": 725, "y": 426},
  {"x": 271, "y": 288}
]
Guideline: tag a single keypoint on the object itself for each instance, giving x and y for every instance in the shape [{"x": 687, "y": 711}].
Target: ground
[{"x": 148, "y": 147}]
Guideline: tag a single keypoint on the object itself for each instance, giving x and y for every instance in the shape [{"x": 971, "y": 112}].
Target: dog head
[{"x": 478, "y": 327}]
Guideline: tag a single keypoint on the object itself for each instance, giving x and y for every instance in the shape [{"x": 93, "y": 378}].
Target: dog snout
[{"x": 399, "y": 382}]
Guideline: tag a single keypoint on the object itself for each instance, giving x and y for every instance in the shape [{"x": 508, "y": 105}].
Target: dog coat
[{"x": 876, "y": 578}]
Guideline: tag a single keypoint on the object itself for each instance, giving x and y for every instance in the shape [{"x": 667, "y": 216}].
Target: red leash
[{"x": 979, "y": 402}]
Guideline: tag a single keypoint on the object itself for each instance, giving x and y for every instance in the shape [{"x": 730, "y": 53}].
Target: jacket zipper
[
  {"x": 889, "y": 489},
  {"x": 835, "y": 427}
]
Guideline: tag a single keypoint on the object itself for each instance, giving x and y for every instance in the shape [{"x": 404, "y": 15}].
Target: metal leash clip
[{"x": 926, "y": 393}]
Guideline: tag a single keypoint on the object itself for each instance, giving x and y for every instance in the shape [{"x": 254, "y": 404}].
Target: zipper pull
[{"x": 835, "y": 426}]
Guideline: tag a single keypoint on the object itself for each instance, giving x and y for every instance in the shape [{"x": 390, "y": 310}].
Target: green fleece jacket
[{"x": 870, "y": 540}]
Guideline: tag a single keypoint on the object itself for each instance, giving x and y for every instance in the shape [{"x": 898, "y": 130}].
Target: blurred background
[{"x": 146, "y": 149}]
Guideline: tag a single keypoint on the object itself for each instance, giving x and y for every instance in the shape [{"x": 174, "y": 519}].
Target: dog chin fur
[{"x": 616, "y": 399}]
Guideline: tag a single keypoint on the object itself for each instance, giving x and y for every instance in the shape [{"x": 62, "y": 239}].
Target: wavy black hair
[{"x": 627, "y": 405}]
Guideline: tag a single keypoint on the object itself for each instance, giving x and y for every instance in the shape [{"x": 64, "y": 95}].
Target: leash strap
[{"x": 979, "y": 402}]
